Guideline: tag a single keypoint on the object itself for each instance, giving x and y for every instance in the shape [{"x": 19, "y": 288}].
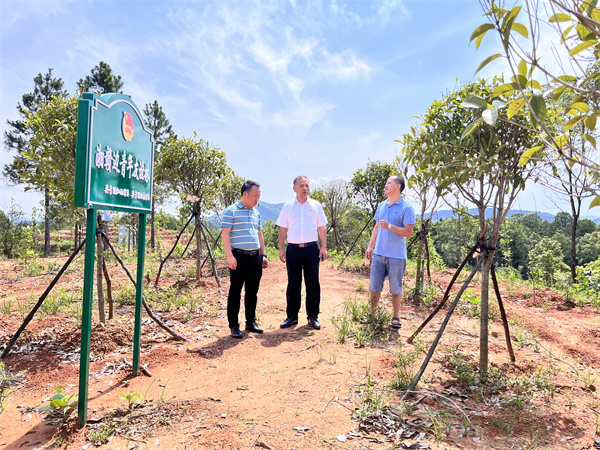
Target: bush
[{"x": 588, "y": 278}]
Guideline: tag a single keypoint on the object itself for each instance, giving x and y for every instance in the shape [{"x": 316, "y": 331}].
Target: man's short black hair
[
  {"x": 248, "y": 184},
  {"x": 399, "y": 180}
]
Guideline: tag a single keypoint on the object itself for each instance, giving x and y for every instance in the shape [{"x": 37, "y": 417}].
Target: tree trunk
[
  {"x": 198, "y": 247},
  {"x": 212, "y": 260},
  {"x": 75, "y": 235},
  {"x": 46, "y": 222},
  {"x": 419, "y": 277},
  {"x": 575, "y": 210},
  {"x": 100, "y": 273},
  {"x": 152, "y": 238},
  {"x": 484, "y": 321}
]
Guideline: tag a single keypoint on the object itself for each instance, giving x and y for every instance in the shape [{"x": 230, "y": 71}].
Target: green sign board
[{"x": 115, "y": 155}]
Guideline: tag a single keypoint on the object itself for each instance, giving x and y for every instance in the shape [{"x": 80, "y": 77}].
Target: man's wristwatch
[{"x": 265, "y": 256}]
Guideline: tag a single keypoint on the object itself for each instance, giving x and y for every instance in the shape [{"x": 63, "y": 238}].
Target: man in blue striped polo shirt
[{"x": 245, "y": 248}]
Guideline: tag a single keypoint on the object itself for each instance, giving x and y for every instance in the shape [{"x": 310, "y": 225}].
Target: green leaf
[
  {"x": 528, "y": 154},
  {"x": 481, "y": 30},
  {"x": 590, "y": 122},
  {"x": 556, "y": 93},
  {"x": 595, "y": 202},
  {"x": 470, "y": 129},
  {"x": 590, "y": 139},
  {"x": 478, "y": 41},
  {"x": 499, "y": 104},
  {"x": 515, "y": 106},
  {"x": 538, "y": 104},
  {"x": 571, "y": 123},
  {"x": 523, "y": 68},
  {"x": 560, "y": 17},
  {"x": 579, "y": 106},
  {"x": 561, "y": 141},
  {"x": 490, "y": 116},
  {"x": 535, "y": 84},
  {"x": 522, "y": 80},
  {"x": 487, "y": 61},
  {"x": 521, "y": 29},
  {"x": 581, "y": 47},
  {"x": 507, "y": 88},
  {"x": 474, "y": 102},
  {"x": 567, "y": 78}
]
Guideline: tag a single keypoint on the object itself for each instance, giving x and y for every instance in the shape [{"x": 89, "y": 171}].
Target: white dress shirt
[{"x": 302, "y": 220}]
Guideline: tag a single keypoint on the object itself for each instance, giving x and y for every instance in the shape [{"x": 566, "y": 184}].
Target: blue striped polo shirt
[{"x": 245, "y": 225}]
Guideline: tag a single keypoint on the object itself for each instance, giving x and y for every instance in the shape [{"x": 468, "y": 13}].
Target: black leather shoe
[
  {"x": 236, "y": 333},
  {"x": 288, "y": 323},
  {"x": 313, "y": 322},
  {"x": 254, "y": 328}
]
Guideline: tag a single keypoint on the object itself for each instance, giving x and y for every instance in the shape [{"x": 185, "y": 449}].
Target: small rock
[{"x": 341, "y": 438}]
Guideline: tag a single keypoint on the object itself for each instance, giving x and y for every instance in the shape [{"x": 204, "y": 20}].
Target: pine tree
[{"x": 18, "y": 136}]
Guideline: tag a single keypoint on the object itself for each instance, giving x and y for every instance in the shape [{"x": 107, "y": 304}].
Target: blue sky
[{"x": 283, "y": 87}]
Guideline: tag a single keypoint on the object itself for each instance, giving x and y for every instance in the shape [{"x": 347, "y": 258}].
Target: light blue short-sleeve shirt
[
  {"x": 245, "y": 225},
  {"x": 388, "y": 243}
]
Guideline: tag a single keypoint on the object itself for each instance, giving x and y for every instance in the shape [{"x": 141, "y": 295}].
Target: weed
[
  {"x": 24, "y": 307},
  {"x": 405, "y": 365},
  {"x": 320, "y": 352},
  {"x": 33, "y": 266},
  {"x": 342, "y": 325},
  {"x": 334, "y": 357},
  {"x": 7, "y": 381},
  {"x": 588, "y": 378},
  {"x": 125, "y": 295},
  {"x": 360, "y": 286},
  {"x": 374, "y": 398},
  {"x": 441, "y": 423},
  {"x": 132, "y": 400},
  {"x": 429, "y": 294},
  {"x": 6, "y": 306},
  {"x": 102, "y": 434},
  {"x": 60, "y": 408}
]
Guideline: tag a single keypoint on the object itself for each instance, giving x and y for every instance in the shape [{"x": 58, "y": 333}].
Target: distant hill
[
  {"x": 448, "y": 213},
  {"x": 269, "y": 211}
]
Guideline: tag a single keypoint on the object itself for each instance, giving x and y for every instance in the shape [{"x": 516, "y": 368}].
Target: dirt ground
[{"x": 299, "y": 388}]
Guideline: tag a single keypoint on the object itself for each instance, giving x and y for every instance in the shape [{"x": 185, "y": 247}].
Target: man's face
[
  {"x": 252, "y": 197},
  {"x": 391, "y": 187},
  {"x": 302, "y": 187}
]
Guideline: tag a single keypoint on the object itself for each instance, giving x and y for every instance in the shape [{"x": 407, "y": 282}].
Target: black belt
[
  {"x": 306, "y": 244},
  {"x": 246, "y": 252}
]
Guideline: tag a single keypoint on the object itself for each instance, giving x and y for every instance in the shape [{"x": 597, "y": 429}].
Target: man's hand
[
  {"x": 265, "y": 262},
  {"x": 282, "y": 255},
  {"x": 369, "y": 253},
  {"x": 384, "y": 224},
  {"x": 232, "y": 262},
  {"x": 323, "y": 254}
]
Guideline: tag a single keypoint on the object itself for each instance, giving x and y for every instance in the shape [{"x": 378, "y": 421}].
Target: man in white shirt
[{"x": 302, "y": 221}]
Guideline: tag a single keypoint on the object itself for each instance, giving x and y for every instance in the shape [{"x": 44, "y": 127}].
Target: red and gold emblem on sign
[{"x": 127, "y": 126}]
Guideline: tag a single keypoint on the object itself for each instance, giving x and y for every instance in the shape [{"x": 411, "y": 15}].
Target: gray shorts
[{"x": 381, "y": 267}]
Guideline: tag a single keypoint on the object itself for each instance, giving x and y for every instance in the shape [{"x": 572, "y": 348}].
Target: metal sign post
[
  {"x": 114, "y": 171},
  {"x": 137, "y": 332},
  {"x": 86, "y": 315}
]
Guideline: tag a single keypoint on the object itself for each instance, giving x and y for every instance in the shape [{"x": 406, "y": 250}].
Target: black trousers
[
  {"x": 303, "y": 260},
  {"x": 248, "y": 273}
]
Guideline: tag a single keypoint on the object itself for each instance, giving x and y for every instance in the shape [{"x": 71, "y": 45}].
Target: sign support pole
[
  {"x": 137, "y": 333},
  {"x": 86, "y": 316}
]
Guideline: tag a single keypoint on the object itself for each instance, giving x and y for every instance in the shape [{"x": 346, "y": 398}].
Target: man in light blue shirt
[
  {"x": 245, "y": 248},
  {"x": 394, "y": 221}
]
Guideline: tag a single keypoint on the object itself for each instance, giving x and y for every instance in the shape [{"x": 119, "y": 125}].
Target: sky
[{"x": 284, "y": 88}]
